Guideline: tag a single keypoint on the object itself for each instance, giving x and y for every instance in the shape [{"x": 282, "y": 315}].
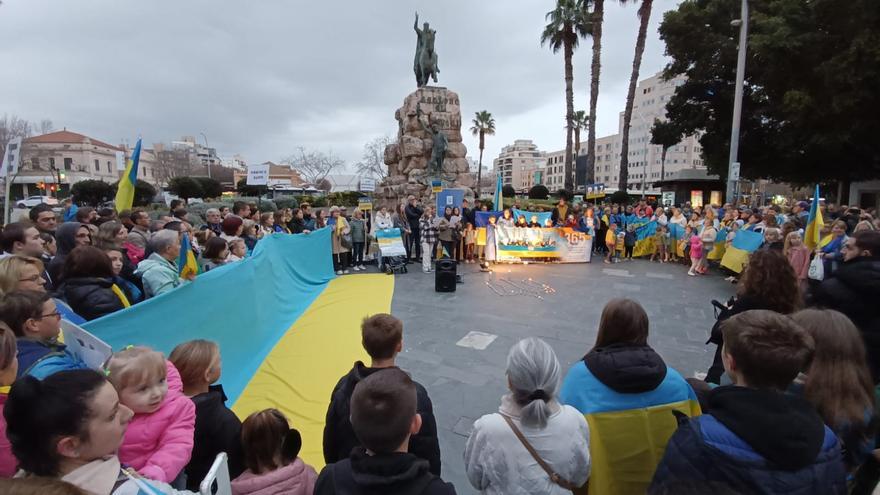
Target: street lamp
[
  {"x": 206, "y": 150},
  {"x": 732, "y": 164}
]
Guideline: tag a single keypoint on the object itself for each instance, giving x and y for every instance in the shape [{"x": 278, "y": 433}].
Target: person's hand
[{"x": 190, "y": 277}]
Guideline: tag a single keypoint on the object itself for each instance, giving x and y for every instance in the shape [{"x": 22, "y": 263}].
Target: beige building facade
[{"x": 520, "y": 165}]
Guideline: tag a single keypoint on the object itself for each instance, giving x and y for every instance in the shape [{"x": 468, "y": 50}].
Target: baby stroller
[{"x": 392, "y": 255}]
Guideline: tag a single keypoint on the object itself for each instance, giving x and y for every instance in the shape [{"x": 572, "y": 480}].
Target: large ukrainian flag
[
  {"x": 125, "y": 190},
  {"x": 736, "y": 257},
  {"x": 286, "y": 326}
]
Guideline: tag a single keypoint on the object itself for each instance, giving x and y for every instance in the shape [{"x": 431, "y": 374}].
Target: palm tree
[
  {"x": 596, "y": 18},
  {"x": 667, "y": 135},
  {"x": 483, "y": 125},
  {"x": 565, "y": 25},
  {"x": 580, "y": 121},
  {"x": 644, "y": 16}
]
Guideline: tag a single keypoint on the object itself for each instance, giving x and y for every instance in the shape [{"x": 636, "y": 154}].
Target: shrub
[
  {"x": 92, "y": 192},
  {"x": 245, "y": 190},
  {"x": 563, "y": 193},
  {"x": 508, "y": 191},
  {"x": 211, "y": 188},
  {"x": 539, "y": 191},
  {"x": 185, "y": 188},
  {"x": 286, "y": 203},
  {"x": 619, "y": 197}
]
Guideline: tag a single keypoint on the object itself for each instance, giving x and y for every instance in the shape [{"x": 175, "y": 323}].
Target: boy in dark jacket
[
  {"x": 756, "y": 438},
  {"x": 383, "y": 416},
  {"x": 382, "y": 336}
]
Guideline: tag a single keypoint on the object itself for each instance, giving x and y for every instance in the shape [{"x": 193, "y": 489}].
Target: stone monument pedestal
[{"x": 408, "y": 159}]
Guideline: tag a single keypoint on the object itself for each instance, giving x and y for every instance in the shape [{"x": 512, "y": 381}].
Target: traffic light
[
  {"x": 62, "y": 175},
  {"x": 52, "y": 187},
  {"x": 41, "y": 185}
]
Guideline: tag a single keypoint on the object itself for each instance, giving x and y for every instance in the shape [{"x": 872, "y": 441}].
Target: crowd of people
[{"x": 787, "y": 406}]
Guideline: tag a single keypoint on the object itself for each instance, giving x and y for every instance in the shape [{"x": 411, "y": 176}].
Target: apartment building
[{"x": 521, "y": 165}]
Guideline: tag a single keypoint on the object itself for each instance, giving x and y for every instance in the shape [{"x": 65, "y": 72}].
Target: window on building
[
  {"x": 68, "y": 164},
  {"x": 35, "y": 163},
  {"x": 109, "y": 168},
  {"x": 51, "y": 162},
  {"x": 97, "y": 166}
]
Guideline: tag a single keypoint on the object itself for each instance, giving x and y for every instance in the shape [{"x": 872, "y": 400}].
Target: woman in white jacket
[
  {"x": 383, "y": 219},
  {"x": 495, "y": 459}
]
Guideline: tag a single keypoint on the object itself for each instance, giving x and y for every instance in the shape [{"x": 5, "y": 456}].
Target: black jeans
[
  {"x": 340, "y": 261},
  {"x": 415, "y": 243},
  {"x": 628, "y": 251},
  {"x": 357, "y": 248}
]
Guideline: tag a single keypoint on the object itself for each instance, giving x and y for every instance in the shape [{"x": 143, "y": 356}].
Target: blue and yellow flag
[
  {"x": 125, "y": 191},
  {"x": 186, "y": 262},
  {"x": 499, "y": 200},
  {"x": 812, "y": 235}
]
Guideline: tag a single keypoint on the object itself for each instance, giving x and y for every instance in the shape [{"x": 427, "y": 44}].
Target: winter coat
[
  {"x": 297, "y": 226},
  {"x": 629, "y": 238},
  {"x": 8, "y": 462},
  {"x": 296, "y": 478},
  {"x": 65, "y": 238},
  {"x": 158, "y": 274},
  {"x": 854, "y": 290},
  {"x": 159, "y": 445},
  {"x": 140, "y": 236},
  {"x": 444, "y": 229},
  {"x": 413, "y": 214},
  {"x": 89, "y": 297},
  {"x": 106, "y": 476},
  {"x": 756, "y": 442},
  {"x": 799, "y": 259},
  {"x": 217, "y": 429},
  {"x": 381, "y": 474},
  {"x": 496, "y": 461},
  {"x": 41, "y": 359},
  {"x": 339, "y": 437},
  {"x": 628, "y": 396},
  {"x": 340, "y": 228},
  {"x": 384, "y": 221},
  {"x": 358, "y": 230}
]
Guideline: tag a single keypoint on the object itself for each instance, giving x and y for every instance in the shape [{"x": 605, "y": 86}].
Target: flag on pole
[
  {"x": 125, "y": 191},
  {"x": 499, "y": 200},
  {"x": 186, "y": 261},
  {"x": 812, "y": 234}
]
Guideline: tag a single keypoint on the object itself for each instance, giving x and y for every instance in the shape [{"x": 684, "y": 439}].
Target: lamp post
[
  {"x": 733, "y": 175},
  {"x": 206, "y": 150}
]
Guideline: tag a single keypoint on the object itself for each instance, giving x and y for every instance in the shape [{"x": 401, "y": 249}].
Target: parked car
[{"x": 31, "y": 201}]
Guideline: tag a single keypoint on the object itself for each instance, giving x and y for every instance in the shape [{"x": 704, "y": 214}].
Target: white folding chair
[{"x": 217, "y": 480}]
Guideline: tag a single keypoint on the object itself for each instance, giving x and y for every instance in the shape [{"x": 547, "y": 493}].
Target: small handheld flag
[
  {"x": 125, "y": 191},
  {"x": 812, "y": 234},
  {"x": 186, "y": 262}
]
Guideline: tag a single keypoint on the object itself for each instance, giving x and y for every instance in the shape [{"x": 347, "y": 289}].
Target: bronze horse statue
[{"x": 425, "y": 63}]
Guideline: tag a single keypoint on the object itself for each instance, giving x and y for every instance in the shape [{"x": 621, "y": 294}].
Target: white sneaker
[
  {"x": 362, "y": 267},
  {"x": 339, "y": 272},
  {"x": 346, "y": 272},
  {"x": 692, "y": 274},
  {"x": 356, "y": 268}
]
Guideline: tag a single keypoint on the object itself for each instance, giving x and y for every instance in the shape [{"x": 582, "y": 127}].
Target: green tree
[
  {"x": 483, "y": 125},
  {"x": 566, "y": 24},
  {"x": 619, "y": 197},
  {"x": 665, "y": 134},
  {"x": 144, "y": 192},
  {"x": 810, "y": 98},
  {"x": 211, "y": 188},
  {"x": 245, "y": 190},
  {"x": 644, "y": 15},
  {"x": 539, "y": 191},
  {"x": 185, "y": 188},
  {"x": 508, "y": 191},
  {"x": 92, "y": 192},
  {"x": 595, "y": 19}
]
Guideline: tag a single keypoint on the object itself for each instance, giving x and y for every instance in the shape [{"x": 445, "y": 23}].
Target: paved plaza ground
[{"x": 466, "y": 380}]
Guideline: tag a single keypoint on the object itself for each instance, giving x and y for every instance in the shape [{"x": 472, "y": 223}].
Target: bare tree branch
[
  {"x": 372, "y": 162},
  {"x": 314, "y": 166}
]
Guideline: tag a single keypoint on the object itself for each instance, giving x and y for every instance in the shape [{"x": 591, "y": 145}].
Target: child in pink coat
[
  {"x": 696, "y": 252},
  {"x": 159, "y": 439},
  {"x": 798, "y": 257},
  {"x": 271, "y": 448}
]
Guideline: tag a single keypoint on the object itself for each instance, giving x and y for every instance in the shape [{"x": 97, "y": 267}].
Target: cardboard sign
[
  {"x": 258, "y": 175},
  {"x": 85, "y": 346}
]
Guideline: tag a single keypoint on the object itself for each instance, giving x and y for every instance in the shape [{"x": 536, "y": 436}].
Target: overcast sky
[{"x": 261, "y": 78}]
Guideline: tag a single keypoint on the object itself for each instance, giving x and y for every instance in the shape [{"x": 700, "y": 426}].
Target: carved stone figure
[{"x": 439, "y": 143}]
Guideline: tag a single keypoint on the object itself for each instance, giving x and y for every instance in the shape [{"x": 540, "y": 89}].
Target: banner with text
[{"x": 547, "y": 244}]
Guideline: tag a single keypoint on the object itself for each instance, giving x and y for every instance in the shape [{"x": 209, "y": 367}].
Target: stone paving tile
[{"x": 465, "y": 383}]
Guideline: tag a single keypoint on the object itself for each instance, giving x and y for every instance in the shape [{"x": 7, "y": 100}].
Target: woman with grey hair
[{"x": 533, "y": 444}]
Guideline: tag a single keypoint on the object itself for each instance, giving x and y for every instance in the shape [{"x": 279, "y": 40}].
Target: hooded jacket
[
  {"x": 158, "y": 445},
  {"x": 40, "y": 359},
  {"x": 90, "y": 297},
  {"x": 756, "y": 442},
  {"x": 65, "y": 238},
  {"x": 628, "y": 395},
  {"x": 158, "y": 275},
  {"x": 339, "y": 437},
  {"x": 296, "y": 478},
  {"x": 854, "y": 290},
  {"x": 217, "y": 429},
  {"x": 381, "y": 474}
]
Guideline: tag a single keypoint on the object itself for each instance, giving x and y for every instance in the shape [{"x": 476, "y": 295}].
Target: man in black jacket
[
  {"x": 413, "y": 214},
  {"x": 383, "y": 340},
  {"x": 854, "y": 290},
  {"x": 468, "y": 215},
  {"x": 384, "y": 417}
]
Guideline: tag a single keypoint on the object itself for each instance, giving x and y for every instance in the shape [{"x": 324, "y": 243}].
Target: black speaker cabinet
[{"x": 444, "y": 275}]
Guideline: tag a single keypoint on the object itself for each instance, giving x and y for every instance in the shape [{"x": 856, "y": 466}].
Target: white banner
[
  {"x": 258, "y": 175},
  {"x": 12, "y": 157},
  {"x": 368, "y": 185}
]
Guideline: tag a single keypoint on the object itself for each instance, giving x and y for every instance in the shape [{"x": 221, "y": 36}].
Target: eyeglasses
[{"x": 55, "y": 315}]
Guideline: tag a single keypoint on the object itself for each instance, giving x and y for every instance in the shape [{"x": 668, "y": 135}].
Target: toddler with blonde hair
[{"x": 159, "y": 440}]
